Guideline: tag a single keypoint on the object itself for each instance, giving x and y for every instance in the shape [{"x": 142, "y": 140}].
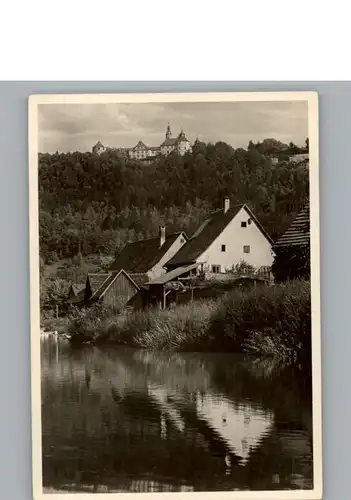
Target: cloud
[{"x": 77, "y": 127}]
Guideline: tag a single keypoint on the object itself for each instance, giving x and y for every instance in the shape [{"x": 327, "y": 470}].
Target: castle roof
[
  {"x": 169, "y": 142},
  {"x": 182, "y": 137},
  {"x": 140, "y": 145}
]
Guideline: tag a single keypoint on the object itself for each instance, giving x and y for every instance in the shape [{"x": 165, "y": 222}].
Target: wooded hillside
[{"x": 91, "y": 204}]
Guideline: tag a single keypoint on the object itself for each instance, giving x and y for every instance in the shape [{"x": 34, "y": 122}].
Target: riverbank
[{"x": 264, "y": 321}]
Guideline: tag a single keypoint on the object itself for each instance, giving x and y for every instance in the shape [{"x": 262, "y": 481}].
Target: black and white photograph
[{"x": 175, "y": 295}]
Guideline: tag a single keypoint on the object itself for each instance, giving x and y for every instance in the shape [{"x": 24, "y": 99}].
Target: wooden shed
[{"x": 113, "y": 289}]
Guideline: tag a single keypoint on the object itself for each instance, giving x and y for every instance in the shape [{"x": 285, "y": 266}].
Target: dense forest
[{"x": 95, "y": 204}]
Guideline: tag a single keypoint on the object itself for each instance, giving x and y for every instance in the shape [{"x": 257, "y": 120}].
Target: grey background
[{"x": 335, "y": 182}]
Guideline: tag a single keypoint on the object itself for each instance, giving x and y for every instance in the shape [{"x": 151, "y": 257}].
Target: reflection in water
[
  {"x": 122, "y": 420},
  {"x": 241, "y": 427}
]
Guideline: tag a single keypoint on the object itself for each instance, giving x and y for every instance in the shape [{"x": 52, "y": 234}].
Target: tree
[
  {"x": 243, "y": 269},
  {"x": 52, "y": 292},
  {"x": 109, "y": 200},
  {"x": 291, "y": 263}
]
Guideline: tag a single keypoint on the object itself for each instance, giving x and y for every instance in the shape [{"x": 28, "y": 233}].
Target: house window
[
  {"x": 223, "y": 248},
  {"x": 243, "y": 224},
  {"x": 246, "y": 248},
  {"x": 216, "y": 269}
]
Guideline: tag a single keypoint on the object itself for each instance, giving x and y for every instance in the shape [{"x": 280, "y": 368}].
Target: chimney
[
  {"x": 162, "y": 235},
  {"x": 226, "y": 204}
]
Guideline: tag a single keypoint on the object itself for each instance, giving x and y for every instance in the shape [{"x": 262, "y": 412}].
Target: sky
[{"x": 77, "y": 127}]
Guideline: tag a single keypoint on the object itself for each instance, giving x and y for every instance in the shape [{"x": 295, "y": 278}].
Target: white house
[
  {"x": 229, "y": 236},
  {"x": 144, "y": 260}
]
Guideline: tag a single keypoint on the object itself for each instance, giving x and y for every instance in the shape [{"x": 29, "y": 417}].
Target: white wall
[
  {"x": 158, "y": 270},
  {"x": 234, "y": 237},
  {"x": 183, "y": 147}
]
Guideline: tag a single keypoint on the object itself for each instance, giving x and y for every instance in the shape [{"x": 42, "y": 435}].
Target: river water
[{"x": 124, "y": 420}]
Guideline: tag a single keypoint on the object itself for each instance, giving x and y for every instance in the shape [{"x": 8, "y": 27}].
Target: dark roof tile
[
  {"x": 143, "y": 255},
  {"x": 96, "y": 280},
  {"x": 299, "y": 231},
  {"x": 139, "y": 278}
]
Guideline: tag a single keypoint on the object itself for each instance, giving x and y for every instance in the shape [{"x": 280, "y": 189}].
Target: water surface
[{"x": 118, "y": 419}]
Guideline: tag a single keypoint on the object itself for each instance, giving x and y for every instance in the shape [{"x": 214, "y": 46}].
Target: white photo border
[{"x": 313, "y": 134}]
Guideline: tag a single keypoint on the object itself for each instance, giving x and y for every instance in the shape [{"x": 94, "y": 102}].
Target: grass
[{"x": 264, "y": 321}]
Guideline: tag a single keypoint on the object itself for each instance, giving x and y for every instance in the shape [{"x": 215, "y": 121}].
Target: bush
[
  {"x": 265, "y": 321},
  {"x": 243, "y": 268},
  {"x": 89, "y": 324},
  {"x": 265, "y": 316}
]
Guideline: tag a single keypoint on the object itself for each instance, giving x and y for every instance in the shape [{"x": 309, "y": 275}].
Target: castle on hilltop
[{"x": 141, "y": 151}]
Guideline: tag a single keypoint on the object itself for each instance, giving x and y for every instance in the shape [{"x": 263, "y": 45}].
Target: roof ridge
[
  {"x": 155, "y": 237},
  {"x": 230, "y": 208},
  {"x": 98, "y": 274}
]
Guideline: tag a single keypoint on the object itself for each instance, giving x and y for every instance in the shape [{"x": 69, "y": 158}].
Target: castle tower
[{"x": 168, "y": 132}]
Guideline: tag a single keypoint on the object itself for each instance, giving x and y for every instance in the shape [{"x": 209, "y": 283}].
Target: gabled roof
[
  {"x": 106, "y": 281},
  {"x": 207, "y": 233},
  {"x": 182, "y": 137},
  {"x": 78, "y": 294},
  {"x": 141, "y": 145},
  {"x": 299, "y": 231},
  {"x": 98, "y": 144},
  {"x": 141, "y": 256}
]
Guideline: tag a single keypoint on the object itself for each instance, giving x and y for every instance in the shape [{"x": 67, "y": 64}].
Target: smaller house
[
  {"x": 114, "y": 289},
  {"x": 76, "y": 294},
  {"x": 292, "y": 249},
  {"x": 144, "y": 260}
]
